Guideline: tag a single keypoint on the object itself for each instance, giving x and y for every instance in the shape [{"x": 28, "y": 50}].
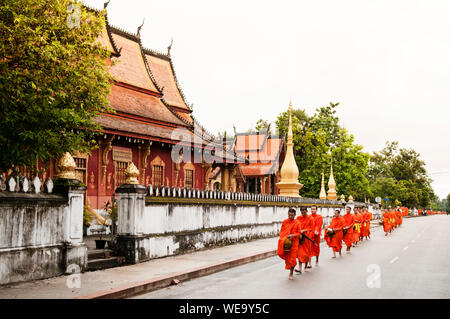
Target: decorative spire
[
  {"x": 131, "y": 174},
  {"x": 169, "y": 47},
  {"x": 332, "y": 195},
  {"x": 106, "y": 4},
  {"x": 289, "y": 185},
  {"x": 350, "y": 199},
  {"x": 323, "y": 194},
  {"x": 66, "y": 166},
  {"x": 138, "y": 34},
  {"x": 342, "y": 198}
]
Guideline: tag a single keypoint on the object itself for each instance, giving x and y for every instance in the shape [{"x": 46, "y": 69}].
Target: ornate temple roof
[
  {"x": 262, "y": 151},
  {"x": 146, "y": 96}
]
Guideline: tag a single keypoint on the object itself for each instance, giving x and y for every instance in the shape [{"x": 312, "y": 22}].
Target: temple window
[
  {"x": 158, "y": 167},
  {"x": 189, "y": 173},
  {"x": 189, "y": 178},
  {"x": 119, "y": 173},
  {"x": 81, "y": 166},
  {"x": 158, "y": 175}
]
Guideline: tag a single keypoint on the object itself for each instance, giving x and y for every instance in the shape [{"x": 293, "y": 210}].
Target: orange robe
[
  {"x": 289, "y": 227},
  {"x": 366, "y": 227},
  {"x": 335, "y": 241},
  {"x": 349, "y": 221},
  {"x": 370, "y": 217},
  {"x": 317, "y": 226},
  {"x": 304, "y": 248},
  {"x": 358, "y": 221},
  {"x": 386, "y": 222}
]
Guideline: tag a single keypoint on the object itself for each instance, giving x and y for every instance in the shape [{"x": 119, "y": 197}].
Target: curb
[{"x": 165, "y": 281}]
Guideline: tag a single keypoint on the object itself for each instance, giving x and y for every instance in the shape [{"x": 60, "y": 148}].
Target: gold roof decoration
[
  {"x": 332, "y": 194},
  {"x": 342, "y": 198},
  {"x": 350, "y": 199},
  {"x": 323, "y": 194},
  {"x": 131, "y": 174},
  {"x": 289, "y": 185},
  {"x": 66, "y": 166}
]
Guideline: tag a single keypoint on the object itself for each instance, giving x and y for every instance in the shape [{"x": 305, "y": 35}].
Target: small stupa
[
  {"x": 289, "y": 185},
  {"x": 332, "y": 194},
  {"x": 323, "y": 194}
]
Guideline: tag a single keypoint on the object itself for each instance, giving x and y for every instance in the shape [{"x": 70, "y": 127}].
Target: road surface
[{"x": 411, "y": 262}]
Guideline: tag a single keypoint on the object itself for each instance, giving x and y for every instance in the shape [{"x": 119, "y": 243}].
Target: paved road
[{"x": 412, "y": 262}]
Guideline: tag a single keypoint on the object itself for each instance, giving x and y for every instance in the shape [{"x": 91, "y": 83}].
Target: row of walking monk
[{"x": 300, "y": 237}]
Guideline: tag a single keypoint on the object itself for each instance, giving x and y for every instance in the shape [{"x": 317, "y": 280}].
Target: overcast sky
[{"x": 386, "y": 62}]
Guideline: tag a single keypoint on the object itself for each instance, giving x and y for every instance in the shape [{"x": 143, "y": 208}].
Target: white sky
[{"x": 386, "y": 62}]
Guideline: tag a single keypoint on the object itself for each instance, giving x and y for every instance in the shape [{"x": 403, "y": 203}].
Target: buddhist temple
[
  {"x": 264, "y": 153},
  {"x": 151, "y": 117}
]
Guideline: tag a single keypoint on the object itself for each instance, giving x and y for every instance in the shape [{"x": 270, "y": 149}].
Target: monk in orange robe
[
  {"x": 366, "y": 223},
  {"x": 386, "y": 221},
  {"x": 304, "y": 247},
  {"x": 290, "y": 228},
  {"x": 400, "y": 217},
  {"x": 370, "y": 218},
  {"x": 357, "y": 226},
  {"x": 391, "y": 220},
  {"x": 317, "y": 230},
  {"x": 335, "y": 241},
  {"x": 348, "y": 227},
  {"x": 363, "y": 224}
]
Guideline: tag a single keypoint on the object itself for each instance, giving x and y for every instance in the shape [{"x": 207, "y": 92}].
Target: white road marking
[
  {"x": 394, "y": 260},
  {"x": 405, "y": 248}
]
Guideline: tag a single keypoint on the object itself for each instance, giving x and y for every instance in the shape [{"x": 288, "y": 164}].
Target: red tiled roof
[
  {"x": 248, "y": 142},
  {"x": 141, "y": 104},
  {"x": 256, "y": 169},
  {"x": 165, "y": 78},
  {"x": 130, "y": 66},
  {"x": 268, "y": 153},
  {"x": 126, "y": 125}
]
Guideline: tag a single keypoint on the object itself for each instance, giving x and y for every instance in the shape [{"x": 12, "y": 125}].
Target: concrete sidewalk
[
  {"x": 131, "y": 280},
  {"x": 159, "y": 272}
]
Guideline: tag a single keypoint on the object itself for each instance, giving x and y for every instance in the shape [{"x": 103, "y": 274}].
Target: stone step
[
  {"x": 99, "y": 253},
  {"x": 104, "y": 263}
]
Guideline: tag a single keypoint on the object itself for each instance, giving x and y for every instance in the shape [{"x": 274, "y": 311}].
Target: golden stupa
[
  {"x": 323, "y": 194},
  {"x": 332, "y": 195},
  {"x": 289, "y": 185}
]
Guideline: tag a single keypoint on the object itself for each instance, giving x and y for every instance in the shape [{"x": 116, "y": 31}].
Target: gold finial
[
  {"x": 323, "y": 194},
  {"x": 131, "y": 174},
  {"x": 66, "y": 166},
  {"x": 342, "y": 198},
  {"x": 350, "y": 199},
  {"x": 332, "y": 194}
]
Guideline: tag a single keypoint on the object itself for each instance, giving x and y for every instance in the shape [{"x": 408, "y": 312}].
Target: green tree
[
  {"x": 262, "y": 125},
  {"x": 316, "y": 139},
  {"x": 404, "y": 168},
  {"x": 54, "y": 80},
  {"x": 447, "y": 204}
]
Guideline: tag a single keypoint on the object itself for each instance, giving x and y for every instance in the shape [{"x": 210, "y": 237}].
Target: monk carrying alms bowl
[
  {"x": 330, "y": 232},
  {"x": 287, "y": 245}
]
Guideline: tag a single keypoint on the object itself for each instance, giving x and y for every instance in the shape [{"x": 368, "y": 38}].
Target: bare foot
[
  {"x": 291, "y": 277},
  {"x": 299, "y": 271}
]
